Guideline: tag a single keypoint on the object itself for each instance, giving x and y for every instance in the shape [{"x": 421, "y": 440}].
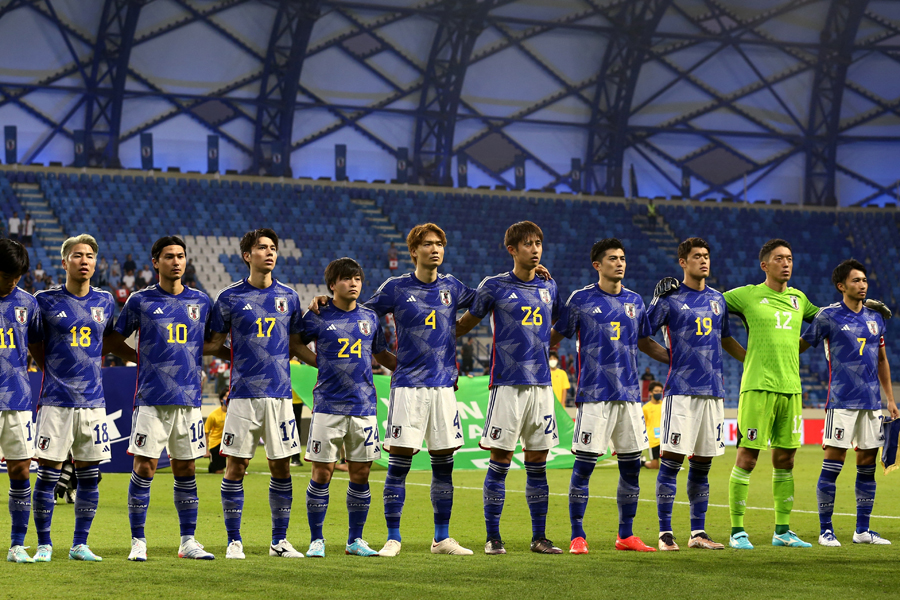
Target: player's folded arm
[
  {"x": 115, "y": 343},
  {"x": 301, "y": 350},
  {"x": 215, "y": 346},
  {"x": 387, "y": 359},
  {"x": 37, "y": 353},
  {"x": 653, "y": 349},
  {"x": 466, "y": 323}
]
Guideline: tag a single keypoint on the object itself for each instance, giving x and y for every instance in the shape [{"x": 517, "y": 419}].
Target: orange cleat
[
  {"x": 578, "y": 546},
  {"x": 633, "y": 543}
]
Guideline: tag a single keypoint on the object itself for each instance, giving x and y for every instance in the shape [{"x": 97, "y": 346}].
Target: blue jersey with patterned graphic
[
  {"x": 345, "y": 343},
  {"x": 73, "y": 332},
  {"x": 522, "y": 314},
  {"x": 260, "y": 323},
  {"x": 425, "y": 315},
  {"x": 608, "y": 328},
  {"x": 171, "y": 330},
  {"x": 693, "y": 323},
  {"x": 852, "y": 341},
  {"x": 20, "y": 325}
]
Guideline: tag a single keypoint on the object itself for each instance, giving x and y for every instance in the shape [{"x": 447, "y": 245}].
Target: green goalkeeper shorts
[{"x": 769, "y": 417}]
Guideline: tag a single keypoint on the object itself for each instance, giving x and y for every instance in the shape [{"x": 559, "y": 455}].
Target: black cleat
[
  {"x": 494, "y": 546},
  {"x": 544, "y": 546}
]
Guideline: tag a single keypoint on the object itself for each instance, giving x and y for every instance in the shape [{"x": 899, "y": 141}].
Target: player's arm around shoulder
[{"x": 736, "y": 299}]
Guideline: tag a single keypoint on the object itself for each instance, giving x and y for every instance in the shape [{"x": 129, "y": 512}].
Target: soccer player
[
  {"x": 522, "y": 308},
  {"x": 263, "y": 319},
  {"x": 76, "y": 320},
  {"x": 171, "y": 323},
  {"x": 20, "y": 324},
  {"x": 611, "y": 323},
  {"x": 347, "y": 336},
  {"x": 694, "y": 320},
  {"x": 858, "y": 367}
]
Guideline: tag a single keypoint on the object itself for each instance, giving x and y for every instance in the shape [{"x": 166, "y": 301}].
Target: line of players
[{"x": 257, "y": 324}]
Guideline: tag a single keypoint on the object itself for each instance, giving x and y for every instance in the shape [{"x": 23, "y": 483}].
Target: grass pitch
[{"x": 771, "y": 572}]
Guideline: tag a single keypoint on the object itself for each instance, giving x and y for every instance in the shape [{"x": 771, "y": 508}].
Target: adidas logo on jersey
[
  {"x": 845, "y": 328},
  {"x": 764, "y": 301},
  {"x": 411, "y": 299},
  {"x": 248, "y": 307},
  {"x": 513, "y": 296},
  {"x": 597, "y": 311},
  {"x": 685, "y": 307},
  {"x": 331, "y": 328},
  {"x": 61, "y": 314},
  {"x": 158, "y": 311}
]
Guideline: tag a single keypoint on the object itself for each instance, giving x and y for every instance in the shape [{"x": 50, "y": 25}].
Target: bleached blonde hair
[{"x": 67, "y": 246}]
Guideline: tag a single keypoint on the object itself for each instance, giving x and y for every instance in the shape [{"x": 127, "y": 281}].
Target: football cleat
[
  {"x": 359, "y": 547},
  {"x": 284, "y": 549},
  {"x": 633, "y": 543},
  {"x": 316, "y": 549},
  {"x": 18, "y": 554},
  {"x": 578, "y": 546},
  {"x": 704, "y": 542},
  {"x": 82, "y": 552},
  {"x": 449, "y": 546},
  {"x": 870, "y": 537},
  {"x": 494, "y": 546},
  {"x": 138, "y": 550},
  {"x": 544, "y": 546},
  {"x": 391, "y": 548},
  {"x": 827, "y": 539},
  {"x": 235, "y": 550},
  {"x": 789, "y": 540},
  {"x": 740, "y": 541},
  {"x": 667, "y": 542},
  {"x": 194, "y": 549},
  {"x": 44, "y": 553}
]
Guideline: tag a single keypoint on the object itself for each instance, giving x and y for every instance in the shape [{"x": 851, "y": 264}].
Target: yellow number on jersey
[
  {"x": 862, "y": 344},
  {"x": 532, "y": 316},
  {"x": 430, "y": 320},
  {"x": 617, "y": 327},
  {"x": 707, "y": 324},
  {"x": 12, "y": 340},
  {"x": 268, "y": 333},
  {"x": 177, "y": 333},
  {"x": 80, "y": 337},
  {"x": 356, "y": 348}
]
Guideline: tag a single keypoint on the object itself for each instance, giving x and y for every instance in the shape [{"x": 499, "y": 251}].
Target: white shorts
[
  {"x": 693, "y": 425},
  {"x": 520, "y": 412},
  {"x": 616, "y": 425},
  {"x": 81, "y": 430},
  {"x": 426, "y": 414},
  {"x": 848, "y": 428},
  {"x": 16, "y": 435},
  {"x": 178, "y": 429},
  {"x": 358, "y": 436},
  {"x": 249, "y": 419}
]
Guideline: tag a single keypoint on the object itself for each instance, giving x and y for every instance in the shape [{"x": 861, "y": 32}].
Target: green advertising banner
[{"x": 472, "y": 402}]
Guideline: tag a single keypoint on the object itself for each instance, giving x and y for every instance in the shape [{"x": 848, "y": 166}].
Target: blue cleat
[
  {"x": 740, "y": 541},
  {"x": 316, "y": 549},
  {"x": 789, "y": 540},
  {"x": 360, "y": 547},
  {"x": 82, "y": 552}
]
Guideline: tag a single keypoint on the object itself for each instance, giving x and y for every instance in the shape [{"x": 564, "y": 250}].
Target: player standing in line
[
  {"x": 347, "y": 336},
  {"x": 264, "y": 320},
  {"x": 858, "y": 367},
  {"x": 76, "y": 321},
  {"x": 20, "y": 324},
  {"x": 522, "y": 307},
  {"x": 611, "y": 323},
  {"x": 171, "y": 323},
  {"x": 695, "y": 325}
]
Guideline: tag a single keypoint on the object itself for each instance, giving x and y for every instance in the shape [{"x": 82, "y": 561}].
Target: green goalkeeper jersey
[{"x": 773, "y": 321}]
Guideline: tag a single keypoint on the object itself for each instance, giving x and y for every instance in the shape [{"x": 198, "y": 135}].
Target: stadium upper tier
[{"x": 319, "y": 221}]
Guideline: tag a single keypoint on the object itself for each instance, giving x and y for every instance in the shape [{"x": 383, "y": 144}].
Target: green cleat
[{"x": 740, "y": 541}]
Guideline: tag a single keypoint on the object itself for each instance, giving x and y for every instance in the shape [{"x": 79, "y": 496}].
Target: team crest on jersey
[
  {"x": 228, "y": 439},
  {"x": 21, "y": 314},
  {"x": 97, "y": 314},
  {"x": 445, "y": 297},
  {"x": 586, "y": 438},
  {"x": 545, "y": 295},
  {"x": 495, "y": 433},
  {"x": 751, "y": 434},
  {"x": 316, "y": 446},
  {"x": 795, "y": 302},
  {"x": 872, "y": 325},
  {"x": 364, "y": 327},
  {"x": 839, "y": 433},
  {"x": 281, "y": 304},
  {"x": 193, "y": 312},
  {"x": 43, "y": 442},
  {"x": 714, "y": 305},
  {"x": 675, "y": 439},
  {"x": 140, "y": 439},
  {"x": 630, "y": 310},
  {"x": 395, "y": 431}
]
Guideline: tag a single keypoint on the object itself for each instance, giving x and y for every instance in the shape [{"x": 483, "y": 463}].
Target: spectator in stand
[
  {"x": 652, "y": 416},
  {"x": 27, "y": 282},
  {"x": 393, "y": 263},
  {"x": 190, "y": 273},
  {"x": 559, "y": 379},
  {"x": 129, "y": 265},
  {"x": 214, "y": 424},
  {"x": 128, "y": 280},
  {"x": 651, "y": 215},
  {"x": 39, "y": 271},
  {"x": 115, "y": 273},
  {"x": 468, "y": 357},
  {"x": 48, "y": 281},
  {"x": 27, "y": 230},
  {"x": 39, "y": 284},
  {"x": 146, "y": 276},
  {"x": 122, "y": 293},
  {"x": 103, "y": 272},
  {"x": 14, "y": 224}
]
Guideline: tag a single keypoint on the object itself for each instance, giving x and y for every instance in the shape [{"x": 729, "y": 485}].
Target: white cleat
[
  {"x": 449, "y": 546},
  {"x": 828, "y": 539},
  {"x": 235, "y": 550},
  {"x": 194, "y": 549},
  {"x": 138, "y": 550},
  {"x": 870, "y": 537},
  {"x": 284, "y": 549},
  {"x": 18, "y": 554},
  {"x": 392, "y": 548}
]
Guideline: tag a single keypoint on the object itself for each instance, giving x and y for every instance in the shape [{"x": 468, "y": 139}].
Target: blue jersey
[
  {"x": 260, "y": 323},
  {"x": 522, "y": 314},
  {"x": 693, "y": 324},
  {"x": 171, "y": 330},
  {"x": 425, "y": 314},
  {"x": 73, "y": 332},
  {"x": 608, "y": 327},
  {"x": 20, "y": 325},
  {"x": 345, "y": 343},
  {"x": 852, "y": 341}
]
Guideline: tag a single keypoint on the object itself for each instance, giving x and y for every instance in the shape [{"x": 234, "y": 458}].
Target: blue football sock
[
  {"x": 628, "y": 492},
  {"x": 865, "y": 496},
  {"x": 698, "y": 493},
  {"x": 537, "y": 494},
  {"x": 358, "y": 500},
  {"x": 395, "y": 493},
  {"x": 442, "y": 494},
  {"x": 19, "y": 509},
  {"x": 316, "y": 507},
  {"x": 494, "y": 497},
  {"x": 43, "y": 501},
  {"x": 87, "y": 496},
  {"x": 826, "y": 489},
  {"x": 138, "y": 502},
  {"x": 579, "y": 490},
  {"x": 666, "y": 486},
  {"x": 233, "y": 507},
  {"x": 186, "y": 504},
  {"x": 281, "y": 496}
]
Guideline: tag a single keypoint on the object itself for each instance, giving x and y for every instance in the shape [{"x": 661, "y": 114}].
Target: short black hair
[
  {"x": 251, "y": 237},
  {"x": 767, "y": 248},
  {"x": 654, "y": 384},
  {"x": 342, "y": 268},
  {"x": 164, "y": 242},
  {"x": 13, "y": 258},
  {"x": 598, "y": 251},
  {"x": 842, "y": 271},
  {"x": 685, "y": 247},
  {"x": 553, "y": 353}
]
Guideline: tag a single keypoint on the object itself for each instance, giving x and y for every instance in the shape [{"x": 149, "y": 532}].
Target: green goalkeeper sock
[
  {"x": 738, "y": 489},
  {"x": 783, "y": 494}
]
